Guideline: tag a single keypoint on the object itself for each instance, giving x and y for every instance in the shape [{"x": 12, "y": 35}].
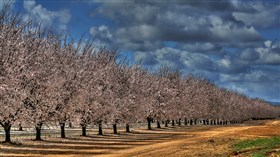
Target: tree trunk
[
  {"x": 158, "y": 124},
  {"x": 20, "y": 127},
  {"x": 84, "y": 130},
  {"x": 127, "y": 128},
  {"x": 7, "y": 128},
  {"x": 100, "y": 132},
  {"x": 38, "y": 132},
  {"x": 115, "y": 128},
  {"x": 191, "y": 122},
  {"x": 195, "y": 122},
  {"x": 62, "y": 130},
  {"x": 204, "y": 122},
  {"x": 149, "y": 123},
  {"x": 173, "y": 123},
  {"x": 186, "y": 121},
  {"x": 179, "y": 122},
  {"x": 166, "y": 123}
]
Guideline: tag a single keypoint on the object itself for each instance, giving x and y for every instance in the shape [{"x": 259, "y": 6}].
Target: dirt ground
[{"x": 172, "y": 141}]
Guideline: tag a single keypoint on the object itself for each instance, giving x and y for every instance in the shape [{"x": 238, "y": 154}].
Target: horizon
[{"x": 234, "y": 44}]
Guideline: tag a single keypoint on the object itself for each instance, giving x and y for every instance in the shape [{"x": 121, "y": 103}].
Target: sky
[{"x": 234, "y": 44}]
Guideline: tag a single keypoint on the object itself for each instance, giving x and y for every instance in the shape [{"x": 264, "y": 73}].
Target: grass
[{"x": 259, "y": 147}]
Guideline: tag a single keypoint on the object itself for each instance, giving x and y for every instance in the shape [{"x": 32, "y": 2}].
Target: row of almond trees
[{"x": 46, "y": 79}]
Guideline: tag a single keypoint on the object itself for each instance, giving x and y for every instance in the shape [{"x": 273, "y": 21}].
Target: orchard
[{"x": 48, "y": 79}]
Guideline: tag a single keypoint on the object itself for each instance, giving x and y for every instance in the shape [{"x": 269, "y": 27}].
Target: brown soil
[{"x": 173, "y": 141}]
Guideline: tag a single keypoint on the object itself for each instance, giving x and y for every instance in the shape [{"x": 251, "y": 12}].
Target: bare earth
[{"x": 173, "y": 141}]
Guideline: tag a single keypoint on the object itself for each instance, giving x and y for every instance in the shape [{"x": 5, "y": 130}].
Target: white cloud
[
  {"x": 269, "y": 54},
  {"x": 268, "y": 43},
  {"x": 256, "y": 75},
  {"x": 138, "y": 32},
  {"x": 254, "y": 83},
  {"x": 228, "y": 31},
  {"x": 225, "y": 63},
  {"x": 191, "y": 62},
  {"x": 238, "y": 88},
  {"x": 102, "y": 32},
  {"x": 182, "y": 20},
  {"x": 199, "y": 47},
  {"x": 47, "y": 18},
  {"x": 264, "y": 16}
]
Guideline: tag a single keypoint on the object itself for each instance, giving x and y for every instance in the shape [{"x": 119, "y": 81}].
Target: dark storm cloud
[
  {"x": 245, "y": 59},
  {"x": 205, "y": 47},
  {"x": 264, "y": 15},
  {"x": 220, "y": 39},
  {"x": 256, "y": 82},
  {"x": 184, "y": 60},
  {"x": 249, "y": 55},
  {"x": 180, "y": 22},
  {"x": 219, "y": 6}
]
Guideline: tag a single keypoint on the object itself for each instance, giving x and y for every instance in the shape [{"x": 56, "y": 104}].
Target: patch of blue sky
[{"x": 171, "y": 44}]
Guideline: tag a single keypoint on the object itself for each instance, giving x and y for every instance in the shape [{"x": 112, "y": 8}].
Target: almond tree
[
  {"x": 13, "y": 66},
  {"x": 132, "y": 102},
  {"x": 148, "y": 99},
  {"x": 85, "y": 107},
  {"x": 174, "y": 92},
  {"x": 94, "y": 82},
  {"x": 168, "y": 94},
  {"x": 66, "y": 74},
  {"x": 39, "y": 83},
  {"x": 117, "y": 95}
]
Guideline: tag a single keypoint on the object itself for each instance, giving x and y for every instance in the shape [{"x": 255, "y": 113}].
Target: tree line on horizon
[{"x": 49, "y": 79}]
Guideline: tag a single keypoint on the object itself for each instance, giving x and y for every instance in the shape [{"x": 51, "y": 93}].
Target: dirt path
[
  {"x": 201, "y": 143},
  {"x": 179, "y": 141}
]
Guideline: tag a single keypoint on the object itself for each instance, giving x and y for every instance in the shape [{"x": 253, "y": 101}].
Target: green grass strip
[{"x": 258, "y": 147}]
